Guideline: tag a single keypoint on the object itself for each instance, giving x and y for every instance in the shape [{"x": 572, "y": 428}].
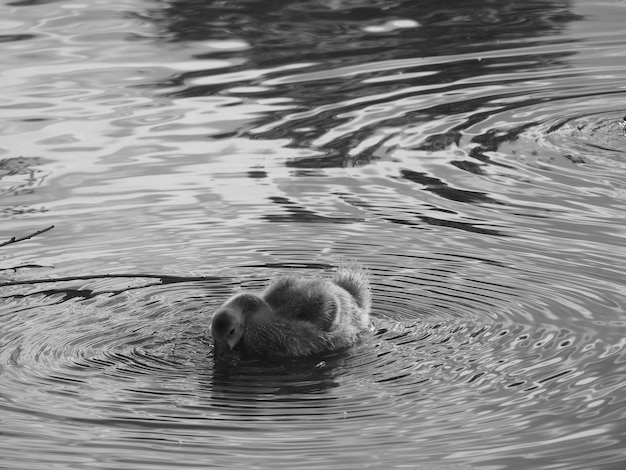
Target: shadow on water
[
  {"x": 280, "y": 29},
  {"x": 370, "y": 89},
  {"x": 278, "y": 34}
]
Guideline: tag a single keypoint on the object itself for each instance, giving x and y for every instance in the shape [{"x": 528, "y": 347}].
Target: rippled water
[{"x": 470, "y": 154}]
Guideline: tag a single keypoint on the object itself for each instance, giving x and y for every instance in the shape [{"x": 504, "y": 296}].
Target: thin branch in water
[
  {"x": 15, "y": 240},
  {"x": 163, "y": 278},
  {"x": 15, "y": 268},
  {"x": 76, "y": 293}
]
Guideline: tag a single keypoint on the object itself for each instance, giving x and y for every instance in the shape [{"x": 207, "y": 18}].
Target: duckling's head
[
  {"x": 229, "y": 321},
  {"x": 227, "y": 330}
]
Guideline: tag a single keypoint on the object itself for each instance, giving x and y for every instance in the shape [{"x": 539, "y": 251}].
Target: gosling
[{"x": 295, "y": 316}]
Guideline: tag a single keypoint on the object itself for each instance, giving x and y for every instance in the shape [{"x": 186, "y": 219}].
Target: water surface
[{"x": 472, "y": 156}]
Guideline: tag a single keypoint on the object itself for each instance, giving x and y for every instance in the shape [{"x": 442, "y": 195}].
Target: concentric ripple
[
  {"x": 62, "y": 337},
  {"x": 597, "y": 139},
  {"x": 139, "y": 359},
  {"x": 595, "y": 136}
]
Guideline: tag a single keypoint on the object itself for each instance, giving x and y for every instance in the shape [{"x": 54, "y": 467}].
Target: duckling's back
[
  {"x": 310, "y": 315},
  {"x": 344, "y": 299},
  {"x": 302, "y": 299}
]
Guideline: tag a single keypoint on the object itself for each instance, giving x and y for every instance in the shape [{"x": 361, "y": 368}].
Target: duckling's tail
[{"x": 353, "y": 278}]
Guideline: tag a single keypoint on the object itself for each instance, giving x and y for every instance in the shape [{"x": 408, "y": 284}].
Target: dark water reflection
[{"x": 470, "y": 155}]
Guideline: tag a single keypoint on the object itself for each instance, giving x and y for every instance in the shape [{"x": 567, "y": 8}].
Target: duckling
[{"x": 296, "y": 316}]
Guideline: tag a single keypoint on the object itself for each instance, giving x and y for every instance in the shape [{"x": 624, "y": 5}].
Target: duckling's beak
[{"x": 221, "y": 349}]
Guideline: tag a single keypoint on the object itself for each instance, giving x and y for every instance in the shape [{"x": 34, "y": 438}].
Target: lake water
[{"x": 472, "y": 155}]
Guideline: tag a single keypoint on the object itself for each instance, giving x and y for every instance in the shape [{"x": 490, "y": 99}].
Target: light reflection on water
[{"x": 471, "y": 158}]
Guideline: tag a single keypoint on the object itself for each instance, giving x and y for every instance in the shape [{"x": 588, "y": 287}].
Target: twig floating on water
[
  {"x": 164, "y": 279},
  {"x": 15, "y": 240},
  {"x": 15, "y": 268}
]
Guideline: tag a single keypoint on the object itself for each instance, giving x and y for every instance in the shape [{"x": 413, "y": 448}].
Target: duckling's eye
[{"x": 231, "y": 332}]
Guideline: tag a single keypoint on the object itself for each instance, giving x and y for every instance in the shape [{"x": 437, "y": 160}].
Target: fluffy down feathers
[{"x": 296, "y": 316}]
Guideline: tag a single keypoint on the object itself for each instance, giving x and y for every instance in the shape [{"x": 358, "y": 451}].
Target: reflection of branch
[
  {"x": 15, "y": 240},
  {"x": 165, "y": 279},
  {"x": 15, "y": 268},
  {"x": 77, "y": 293}
]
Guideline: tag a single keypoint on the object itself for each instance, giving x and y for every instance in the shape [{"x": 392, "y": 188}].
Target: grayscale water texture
[{"x": 471, "y": 154}]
